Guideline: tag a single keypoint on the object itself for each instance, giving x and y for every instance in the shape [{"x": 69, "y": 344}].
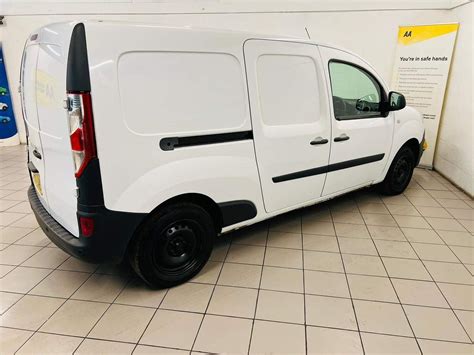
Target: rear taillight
[
  {"x": 87, "y": 226},
  {"x": 81, "y": 130}
]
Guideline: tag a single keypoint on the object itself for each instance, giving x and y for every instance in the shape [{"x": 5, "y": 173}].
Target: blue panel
[{"x": 7, "y": 118}]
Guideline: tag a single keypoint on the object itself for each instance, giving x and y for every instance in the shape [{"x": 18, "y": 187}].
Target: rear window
[{"x": 181, "y": 92}]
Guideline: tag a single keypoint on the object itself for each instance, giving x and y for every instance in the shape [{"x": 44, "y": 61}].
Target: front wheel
[
  {"x": 173, "y": 245},
  {"x": 400, "y": 172}
]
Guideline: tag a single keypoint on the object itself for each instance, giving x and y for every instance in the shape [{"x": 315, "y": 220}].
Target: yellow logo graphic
[
  {"x": 46, "y": 88},
  {"x": 413, "y": 34}
]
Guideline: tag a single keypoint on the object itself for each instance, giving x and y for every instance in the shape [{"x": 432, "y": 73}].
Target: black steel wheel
[
  {"x": 400, "y": 172},
  {"x": 173, "y": 245}
]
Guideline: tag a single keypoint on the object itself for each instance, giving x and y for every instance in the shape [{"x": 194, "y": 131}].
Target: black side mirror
[{"x": 396, "y": 101}]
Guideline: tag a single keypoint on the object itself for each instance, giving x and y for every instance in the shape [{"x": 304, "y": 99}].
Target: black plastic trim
[
  {"x": 236, "y": 211},
  {"x": 328, "y": 168},
  {"x": 170, "y": 143},
  {"x": 77, "y": 75}
]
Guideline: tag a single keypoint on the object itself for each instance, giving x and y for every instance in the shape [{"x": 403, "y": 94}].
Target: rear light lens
[
  {"x": 87, "y": 226},
  {"x": 81, "y": 130}
]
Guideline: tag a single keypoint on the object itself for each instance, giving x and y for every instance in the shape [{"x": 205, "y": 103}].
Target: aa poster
[{"x": 421, "y": 69}]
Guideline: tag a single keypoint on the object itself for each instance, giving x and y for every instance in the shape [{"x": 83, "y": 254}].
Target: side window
[
  {"x": 288, "y": 89},
  {"x": 355, "y": 92}
]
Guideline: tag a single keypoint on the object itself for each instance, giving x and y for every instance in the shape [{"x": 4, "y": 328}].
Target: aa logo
[{"x": 407, "y": 34}]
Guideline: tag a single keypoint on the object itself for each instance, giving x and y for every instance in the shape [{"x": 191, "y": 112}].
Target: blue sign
[{"x": 7, "y": 118}]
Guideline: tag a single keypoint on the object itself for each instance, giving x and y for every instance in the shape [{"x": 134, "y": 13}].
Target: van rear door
[{"x": 43, "y": 91}]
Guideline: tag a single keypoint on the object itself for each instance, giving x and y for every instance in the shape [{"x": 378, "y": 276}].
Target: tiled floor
[{"x": 360, "y": 274}]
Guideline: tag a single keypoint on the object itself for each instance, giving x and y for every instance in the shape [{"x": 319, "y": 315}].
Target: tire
[
  {"x": 173, "y": 245},
  {"x": 400, "y": 173}
]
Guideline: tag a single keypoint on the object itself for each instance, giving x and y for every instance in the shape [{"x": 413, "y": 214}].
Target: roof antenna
[{"x": 307, "y": 33}]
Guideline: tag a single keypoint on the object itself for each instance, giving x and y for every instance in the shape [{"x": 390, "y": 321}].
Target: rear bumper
[{"x": 112, "y": 232}]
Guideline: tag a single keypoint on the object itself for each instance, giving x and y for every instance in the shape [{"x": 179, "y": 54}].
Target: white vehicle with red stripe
[{"x": 146, "y": 142}]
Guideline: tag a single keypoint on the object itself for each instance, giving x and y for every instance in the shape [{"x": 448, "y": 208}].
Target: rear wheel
[
  {"x": 173, "y": 245},
  {"x": 400, "y": 172}
]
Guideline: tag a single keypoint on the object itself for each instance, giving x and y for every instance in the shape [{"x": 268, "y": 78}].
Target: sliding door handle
[
  {"x": 37, "y": 154},
  {"x": 318, "y": 140},
  {"x": 341, "y": 138}
]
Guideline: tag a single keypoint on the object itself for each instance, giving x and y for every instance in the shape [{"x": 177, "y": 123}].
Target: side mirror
[{"x": 396, "y": 101}]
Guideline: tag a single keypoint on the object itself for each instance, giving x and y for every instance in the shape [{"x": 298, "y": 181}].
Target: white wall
[
  {"x": 351, "y": 24},
  {"x": 454, "y": 156}
]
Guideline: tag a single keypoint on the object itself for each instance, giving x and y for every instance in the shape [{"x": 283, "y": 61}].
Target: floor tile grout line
[
  {"x": 349, "y": 290},
  {"x": 304, "y": 285}
]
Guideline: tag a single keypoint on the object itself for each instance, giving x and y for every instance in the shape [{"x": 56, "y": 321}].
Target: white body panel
[{"x": 150, "y": 82}]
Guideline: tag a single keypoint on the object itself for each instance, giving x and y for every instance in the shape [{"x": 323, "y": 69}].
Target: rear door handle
[
  {"x": 318, "y": 140},
  {"x": 36, "y": 154},
  {"x": 342, "y": 137}
]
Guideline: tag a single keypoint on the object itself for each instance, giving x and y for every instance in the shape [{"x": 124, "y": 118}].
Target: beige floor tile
[
  {"x": 363, "y": 264},
  {"x": 435, "y": 323},
  {"x": 343, "y": 204},
  {"x": 149, "y": 350},
  {"x": 386, "y": 233},
  {"x": 253, "y": 235},
  {"x": 30, "y": 312},
  {"x": 41, "y": 343},
  {"x": 22, "y": 279},
  {"x": 351, "y": 230},
  {"x": 374, "y": 219},
  {"x": 246, "y": 254},
  {"x": 284, "y": 240},
  {"x": 36, "y": 238},
  {"x": 395, "y": 249},
  {"x": 12, "y": 234},
  {"x": 233, "y": 301},
  {"x": 284, "y": 258},
  {"x": 240, "y": 275},
  {"x": 5, "y": 269},
  {"x": 60, "y": 284},
  {"x": 406, "y": 269},
  {"x": 379, "y": 317},
  {"x": 330, "y": 312},
  {"x": 412, "y": 222},
  {"x": 448, "y": 272},
  {"x": 422, "y": 293},
  {"x": 467, "y": 224},
  {"x": 396, "y": 200},
  {"x": 371, "y": 288},
  {"x": 270, "y": 337},
  {"x": 270, "y": 306},
  {"x": 325, "y": 283},
  {"x": 375, "y": 344},
  {"x": 9, "y": 218},
  {"x": 172, "y": 329},
  {"x": 434, "y": 252},
  {"x": 318, "y": 227},
  {"x": 116, "y": 323},
  {"x": 7, "y": 204},
  {"x": 319, "y": 212},
  {"x": 29, "y": 221},
  {"x": 137, "y": 293},
  {"x": 219, "y": 252},
  {"x": 467, "y": 320},
  {"x": 403, "y": 210},
  {"x": 457, "y": 238},
  {"x": 448, "y": 224},
  {"x": 290, "y": 223},
  {"x": 73, "y": 264},
  {"x": 17, "y": 254},
  {"x": 100, "y": 287},
  {"x": 224, "y": 335},
  {"x": 320, "y": 243},
  {"x": 447, "y": 348},
  {"x": 347, "y": 217},
  {"x": 190, "y": 297},
  {"x": 47, "y": 258},
  {"x": 441, "y": 194},
  {"x": 75, "y": 318},
  {"x": 93, "y": 346},
  {"x": 418, "y": 235},
  {"x": 459, "y": 296},
  {"x": 439, "y": 212},
  {"x": 22, "y": 207},
  {"x": 7, "y": 300},
  {"x": 333, "y": 341},
  {"x": 321, "y": 261},
  {"x": 378, "y": 208},
  {"x": 465, "y": 254},
  {"x": 282, "y": 279},
  {"x": 357, "y": 246},
  {"x": 209, "y": 273},
  {"x": 452, "y": 203},
  {"x": 12, "y": 339}
]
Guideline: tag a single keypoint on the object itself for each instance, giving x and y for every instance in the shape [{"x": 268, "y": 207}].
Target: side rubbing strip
[
  {"x": 170, "y": 143},
  {"x": 77, "y": 76},
  {"x": 236, "y": 211},
  {"x": 328, "y": 168}
]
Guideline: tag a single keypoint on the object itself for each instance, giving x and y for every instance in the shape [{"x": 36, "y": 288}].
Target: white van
[{"x": 146, "y": 141}]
